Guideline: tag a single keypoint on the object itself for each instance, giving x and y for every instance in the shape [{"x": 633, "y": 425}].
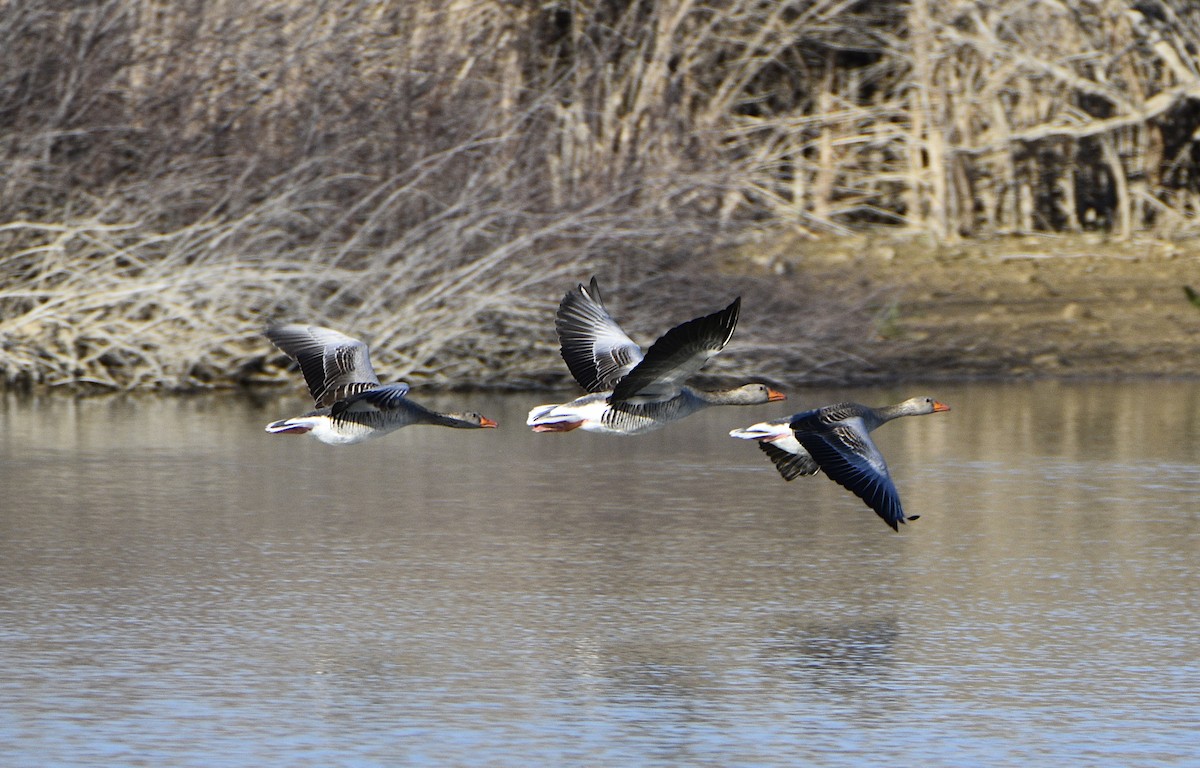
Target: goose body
[
  {"x": 776, "y": 439},
  {"x": 352, "y": 405},
  {"x": 837, "y": 440},
  {"x": 597, "y": 412},
  {"x": 630, "y": 391}
]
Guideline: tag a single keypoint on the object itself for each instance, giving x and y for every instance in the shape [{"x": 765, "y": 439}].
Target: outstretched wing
[
  {"x": 676, "y": 356},
  {"x": 334, "y": 365},
  {"x": 846, "y": 453},
  {"x": 596, "y": 350}
]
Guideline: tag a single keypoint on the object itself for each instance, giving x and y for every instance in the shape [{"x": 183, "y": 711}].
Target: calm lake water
[{"x": 179, "y": 588}]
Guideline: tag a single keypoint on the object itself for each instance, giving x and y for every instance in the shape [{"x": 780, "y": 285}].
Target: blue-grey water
[{"x": 179, "y": 588}]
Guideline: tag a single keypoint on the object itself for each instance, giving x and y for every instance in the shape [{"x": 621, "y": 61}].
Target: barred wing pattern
[
  {"x": 375, "y": 407},
  {"x": 597, "y": 352},
  {"x": 790, "y": 465},
  {"x": 676, "y": 356},
  {"x": 335, "y": 366}
]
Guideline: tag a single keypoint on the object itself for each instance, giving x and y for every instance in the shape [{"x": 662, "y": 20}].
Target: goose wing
[
  {"x": 845, "y": 452},
  {"x": 596, "y": 350},
  {"x": 790, "y": 465},
  {"x": 677, "y": 355},
  {"x": 374, "y": 407},
  {"x": 778, "y": 441},
  {"x": 334, "y": 365}
]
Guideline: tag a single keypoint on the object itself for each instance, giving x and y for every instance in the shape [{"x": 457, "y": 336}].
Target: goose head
[
  {"x": 747, "y": 394},
  {"x": 917, "y": 406},
  {"x": 470, "y": 420}
]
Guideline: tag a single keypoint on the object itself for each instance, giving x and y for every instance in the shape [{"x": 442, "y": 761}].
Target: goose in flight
[
  {"x": 352, "y": 406},
  {"x": 631, "y": 392},
  {"x": 837, "y": 440}
]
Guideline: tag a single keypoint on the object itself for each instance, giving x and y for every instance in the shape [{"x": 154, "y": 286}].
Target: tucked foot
[{"x": 558, "y": 426}]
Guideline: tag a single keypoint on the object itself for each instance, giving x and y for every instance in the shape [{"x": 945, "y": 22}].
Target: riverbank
[
  {"x": 863, "y": 309},
  {"x": 1038, "y": 306}
]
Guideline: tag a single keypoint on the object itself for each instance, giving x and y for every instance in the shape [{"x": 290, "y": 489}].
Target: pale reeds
[{"x": 433, "y": 174}]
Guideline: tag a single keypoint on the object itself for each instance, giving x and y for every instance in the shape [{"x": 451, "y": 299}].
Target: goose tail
[
  {"x": 764, "y": 430},
  {"x": 290, "y": 426},
  {"x": 549, "y": 418}
]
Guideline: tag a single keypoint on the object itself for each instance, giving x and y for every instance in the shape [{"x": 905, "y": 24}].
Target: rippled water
[{"x": 179, "y": 588}]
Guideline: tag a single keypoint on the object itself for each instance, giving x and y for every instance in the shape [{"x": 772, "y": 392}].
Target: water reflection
[
  {"x": 179, "y": 588},
  {"x": 834, "y": 655}
]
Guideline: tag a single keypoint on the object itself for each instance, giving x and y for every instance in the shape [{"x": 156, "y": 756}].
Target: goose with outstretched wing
[
  {"x": 631, "y": 392},
  {"x": 352, "y": 405},
  {"x": 836, "y": 439}
]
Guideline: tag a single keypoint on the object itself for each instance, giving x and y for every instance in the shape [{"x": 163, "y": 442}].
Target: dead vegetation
[{"x": 434, "y": 174}]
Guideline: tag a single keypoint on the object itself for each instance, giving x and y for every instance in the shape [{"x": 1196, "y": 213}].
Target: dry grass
[{"x": 434, "y": 174}]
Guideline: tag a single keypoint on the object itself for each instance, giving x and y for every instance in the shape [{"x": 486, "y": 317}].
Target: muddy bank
[{"x": 1078, "y": 306}]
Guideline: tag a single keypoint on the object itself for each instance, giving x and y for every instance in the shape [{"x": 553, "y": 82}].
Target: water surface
[{"x": 179, "y": 588}]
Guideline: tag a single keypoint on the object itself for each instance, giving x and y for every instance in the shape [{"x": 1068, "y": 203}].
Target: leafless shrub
[{"x": 434, "y": 174}]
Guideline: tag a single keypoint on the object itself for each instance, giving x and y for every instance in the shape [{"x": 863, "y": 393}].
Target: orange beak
[
  {"x": 484, "y": 421},
  {"x": 937, "y": 406},
  {"x": 773, "y": 395}
]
